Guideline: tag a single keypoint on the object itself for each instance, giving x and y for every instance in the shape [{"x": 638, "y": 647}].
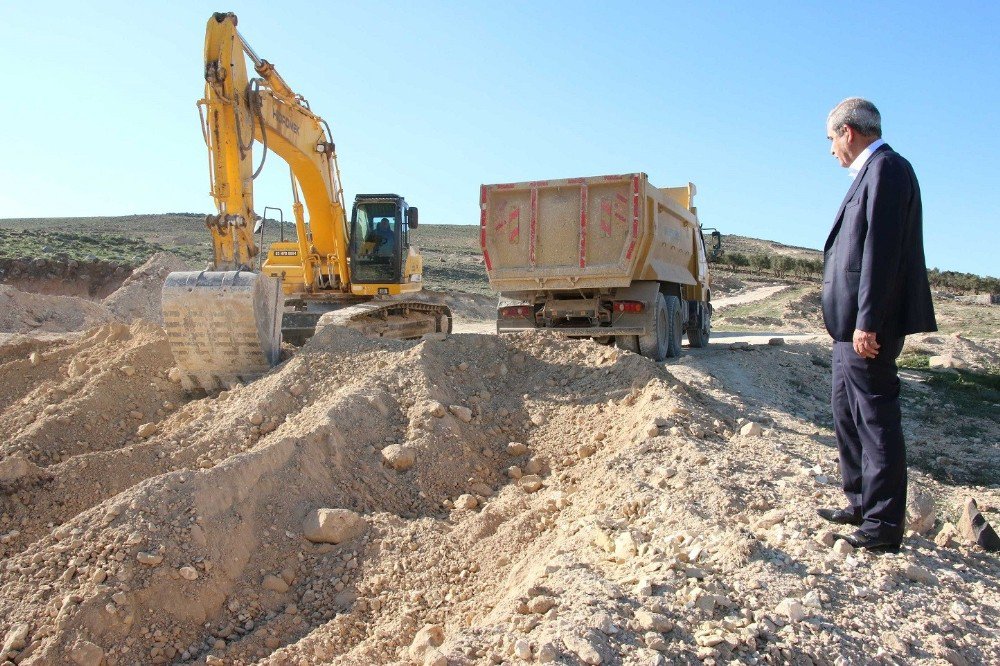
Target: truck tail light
[
  {"x": 629, "y": 306},
  {"x": 517, "y": 311}
]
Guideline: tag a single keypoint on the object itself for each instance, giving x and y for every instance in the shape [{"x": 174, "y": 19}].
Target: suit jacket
[{"x": 874, "y": 273}]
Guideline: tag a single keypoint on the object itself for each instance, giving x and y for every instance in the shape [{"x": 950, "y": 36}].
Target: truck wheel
[
  {"x": 698, "y": 334},
  {"x": 629, "y": 342},
  {"x": 655, "y": 344},
  {"x": 673, "y": 304}
]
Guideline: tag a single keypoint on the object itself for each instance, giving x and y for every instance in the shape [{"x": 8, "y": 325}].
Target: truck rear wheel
[
  {"x": 655, "y": 344},
  {"x": 698, "y": 334},
  {"x": 673, "y": 304}
]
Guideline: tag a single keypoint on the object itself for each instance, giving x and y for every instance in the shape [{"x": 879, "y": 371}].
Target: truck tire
[
  {"x": 673, "y": 304},
  {"x": 629, "y": 342},
  {"x": 654, "y": 345},
  {"x": 698, "y": 334}
]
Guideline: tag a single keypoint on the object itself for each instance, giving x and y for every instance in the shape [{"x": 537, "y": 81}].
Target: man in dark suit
[{"x": 875, "y": 292}]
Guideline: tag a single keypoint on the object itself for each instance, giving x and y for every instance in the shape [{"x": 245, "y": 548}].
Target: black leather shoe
[
  {"x": 840, "y": 516},
  {"x": 870, "y": 542}
]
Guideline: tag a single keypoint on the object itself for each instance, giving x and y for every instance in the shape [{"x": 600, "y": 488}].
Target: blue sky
[{"x": 431, "y": 99}]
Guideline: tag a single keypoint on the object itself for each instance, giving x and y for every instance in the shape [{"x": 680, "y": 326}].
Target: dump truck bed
[{"x": 585, "y": 233}]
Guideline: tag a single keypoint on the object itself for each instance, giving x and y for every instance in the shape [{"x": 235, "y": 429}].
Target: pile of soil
[{"x": 474, "y": 499}]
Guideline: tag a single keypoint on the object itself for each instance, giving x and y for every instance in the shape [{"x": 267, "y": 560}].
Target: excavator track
[
  {"x": 224, "y": 327},
  {"x": 401, "y": 320}
]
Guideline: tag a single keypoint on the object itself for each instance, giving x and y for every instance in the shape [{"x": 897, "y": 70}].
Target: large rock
[
  {"x": 920, "y": 512},
  {"x": 333, "y": 525},
  {"x": 974, "y": 528}
]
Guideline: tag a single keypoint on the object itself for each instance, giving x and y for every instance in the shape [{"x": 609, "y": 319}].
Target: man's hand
[{"x": 865, "y": 344}]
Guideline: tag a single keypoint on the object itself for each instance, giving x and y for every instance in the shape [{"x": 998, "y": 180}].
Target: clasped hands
[{"x": 865, "y": 344}]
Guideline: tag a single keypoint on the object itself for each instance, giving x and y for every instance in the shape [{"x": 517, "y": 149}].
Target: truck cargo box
[{"x": 585, "y": 233}]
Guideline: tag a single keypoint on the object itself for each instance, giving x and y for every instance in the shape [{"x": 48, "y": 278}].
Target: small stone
[
  {"x": 625, "y": 546},
  {"x": 149, "y": 559},
  {"x": 34, "y": 358},
  {"x": 948, "y": 536},
  {"x": 792, "y": 609},
  {"x": 256, "y": 418},
  {"x": 653, "y": 621},
  {"x": 188, "y": 573},
  {"x": 826, "y": 538},
  {"x": 466, "y": 502},
  {"x": 975, "y": 529},
  {"x": 15, "y": 469},
  {"x": 652, "y": 430},
  {"x": 522, "y": 649},
  {"x": 275, "y": 584},
  {"x": 842, "y": 548},
  {"x": 146, "y": 430},
  {"x": 514, "y": 472},
  {"x": 175, "y": 375},
  {"x": 16, "y": 639},
  {"x": 333, "y": 526},
  {"x": 535, "y": 465},
  {"x": 530, "y": 483},
  {"x": 399, "y": 457},
  {"x": 919, "y": 574},
  {"x": 585, "y": 647},
  {"x": 947, "y": 361},
  {"x": 436, "y": 409},
  {"x": 127, "y": 370},
  {"x": 776, "y": 342},
  {"x": 586, "y": 450},
  {"x": 655, "y": 641},
  {"x": 920, "y": 513},
  {"x": 538, "y": 419},
  {"x": 541, "y": 604},
  {"x": 463, "y": 414},
  {"x": 547, "y": 653},
  {"x": 429, "y": 637},
  {"x": 751, "y": 429},
  {"x": 516, "y": 449},
  {"x": 85, "y": 653}
]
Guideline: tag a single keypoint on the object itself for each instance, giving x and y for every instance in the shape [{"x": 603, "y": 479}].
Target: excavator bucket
[{"x": 224, "y": 327}]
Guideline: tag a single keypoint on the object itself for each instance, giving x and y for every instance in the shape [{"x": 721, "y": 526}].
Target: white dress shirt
[{"x": 860, "y": 160}]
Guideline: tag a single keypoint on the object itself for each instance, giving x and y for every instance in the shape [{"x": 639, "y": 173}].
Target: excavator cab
[{"x": 380, "y": 239}]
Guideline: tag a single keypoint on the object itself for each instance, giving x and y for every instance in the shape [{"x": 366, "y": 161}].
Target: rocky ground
[{"x": 471, "y": 500}]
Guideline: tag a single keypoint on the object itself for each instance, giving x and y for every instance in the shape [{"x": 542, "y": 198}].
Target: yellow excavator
[{"x": 225, "y": 324}]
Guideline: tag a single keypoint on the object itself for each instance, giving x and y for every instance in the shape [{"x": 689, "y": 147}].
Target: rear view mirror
[
  {"x": 411, "y": 217},
  {"x": 716, "y": 240}
]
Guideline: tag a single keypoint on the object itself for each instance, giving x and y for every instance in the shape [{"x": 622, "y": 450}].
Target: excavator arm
[{"x": 239, "y": 112}]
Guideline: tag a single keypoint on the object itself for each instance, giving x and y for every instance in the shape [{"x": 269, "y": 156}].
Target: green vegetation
[{"x": 914, "y": 360}]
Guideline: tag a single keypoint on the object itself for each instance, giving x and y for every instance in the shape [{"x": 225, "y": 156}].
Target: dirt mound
[
  {"x": 139, "y": 296},
  {"x": 22, "y": 312},
  {"x": 511, "y": 498}
]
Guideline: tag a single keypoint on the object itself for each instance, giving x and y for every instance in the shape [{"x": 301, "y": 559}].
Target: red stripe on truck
[
  {"x": 534, "y": 223},
  {"x": 482, "y": 227},
  {"x": 583, "y": 226},
  {"x": 635, "y": 216}
]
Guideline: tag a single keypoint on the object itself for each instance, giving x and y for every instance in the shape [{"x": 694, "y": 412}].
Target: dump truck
[{"x": 611, "y": 258}]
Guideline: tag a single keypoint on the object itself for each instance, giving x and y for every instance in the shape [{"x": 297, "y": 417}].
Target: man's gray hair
[{"x": 859, "y": 114}]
